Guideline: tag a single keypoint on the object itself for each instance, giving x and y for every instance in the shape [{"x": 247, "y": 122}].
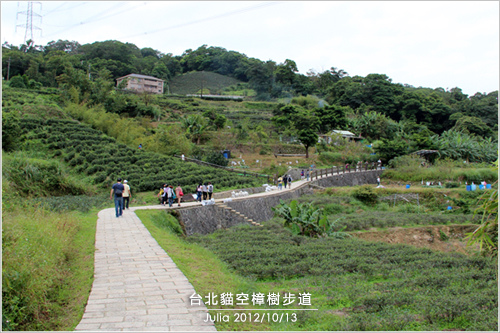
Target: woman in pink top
[{"x": 179, "y": 194}]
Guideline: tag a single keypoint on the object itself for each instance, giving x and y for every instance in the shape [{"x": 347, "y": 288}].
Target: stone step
[{"x": 223, "y": 206}]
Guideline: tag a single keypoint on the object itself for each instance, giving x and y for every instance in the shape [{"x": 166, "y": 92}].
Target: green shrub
[
  {"x": 168, "y": 222},
  {"x": 443, "y": 236},
  {"x": 38, "y": 177},
  {"x": 330, "y": 158},
  {"x": 365, "y": 194}
]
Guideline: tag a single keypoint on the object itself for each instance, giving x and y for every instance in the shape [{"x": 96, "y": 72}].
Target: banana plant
[{"x": 305, "y": 219}]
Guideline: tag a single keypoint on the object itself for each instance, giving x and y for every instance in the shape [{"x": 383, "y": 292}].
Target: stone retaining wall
[{"x": 207, "y": 219}]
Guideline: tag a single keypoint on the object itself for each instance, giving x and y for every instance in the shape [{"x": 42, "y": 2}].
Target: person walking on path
[
  {"x": 302, "y": 174},
  {"x": 204, "y": 189},
  {"x": 285, "y": 180},
  {"x": 198, "y": 193},
  {"x": 280, "y": 183},
  {"x": 289, "y": 181},
  {"x": 127, "y": 194},
  {"x": 179, "y": 194},
  {"x": 210, "y": 189},
  {"x": 307, "y": 174},
  {"x": 160, "y": 194},
  {"x": 164, "y": 196},
  {"x": 170, "y": 195},
  {"x": 117, "y": 190},
  {"x": 378, "y": 181}
]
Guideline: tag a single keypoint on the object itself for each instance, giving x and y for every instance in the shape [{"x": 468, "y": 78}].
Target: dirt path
[{"x": 447, "y": 238}]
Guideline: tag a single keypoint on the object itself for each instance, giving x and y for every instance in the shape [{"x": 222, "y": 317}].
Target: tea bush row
[
  {"x": 99, "y": 156},
  {"x": 377, "y": 285},
  {"x": 378, "y": 219},
  {"x": 82, "y": 203}
]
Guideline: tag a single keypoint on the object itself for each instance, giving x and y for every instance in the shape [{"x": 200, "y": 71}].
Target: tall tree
[{"x": 307, "y": 126}]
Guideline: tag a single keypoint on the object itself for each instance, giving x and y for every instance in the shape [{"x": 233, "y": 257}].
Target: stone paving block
[
  {"x": 105, "y": 319},
  {"x": 181, "y": 316},
  {"x": 93, "y": 314},
  {"x": 87, "y": 327},
  {"x": 137, "y": 286},
  {"x": 146, "y": 318},
  {"x": 157, "y": 306}
]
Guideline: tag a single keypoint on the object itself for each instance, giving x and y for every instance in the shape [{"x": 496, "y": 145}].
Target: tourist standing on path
[
  {"x": 302, "y": 174},
  {"x": 307, "y": 174},
  {"x": 117, "y": 189},
  {"x": 280, "y": 183},
  {"x": 179, "y": 194},
  {"x": 210, "y": 188},
  {"x": 285, "y": 180},
  {"x": 160, "y": 194},
  {"x": 204, "y": 189},
  {"x": 198, "y": 193},
  {"x": 170, "y": 195},
  {"x": 378, "y": 181},
  {"x": 127, "y": 194},
  {"x": 164, "y": 196},
  {"x": 289, "y": 181}
]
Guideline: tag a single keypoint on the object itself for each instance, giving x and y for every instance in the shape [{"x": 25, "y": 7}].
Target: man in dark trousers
[{"x": 117, "y": 189}]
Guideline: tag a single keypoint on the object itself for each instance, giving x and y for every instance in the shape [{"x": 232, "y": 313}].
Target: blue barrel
[
  {"x": 481, "y": 187},
  {"x": 488, "y": 186},
  {"x": 408, "y": 186},
  {"x": 468, "y": 188},
  {"x": 449, "y": 208},
  {"x": 473, "y": 187}
]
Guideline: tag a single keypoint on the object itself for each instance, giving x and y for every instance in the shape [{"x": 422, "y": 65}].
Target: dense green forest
[{"x": 402, "y": 118}]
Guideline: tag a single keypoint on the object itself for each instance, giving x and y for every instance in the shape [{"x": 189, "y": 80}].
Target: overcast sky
[{"x": 422, "y": 43}]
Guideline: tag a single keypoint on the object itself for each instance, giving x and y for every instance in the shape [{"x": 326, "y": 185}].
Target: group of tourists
[
  {"x": 286, "y": 179},
  {"x": 121, "y": 194},
  {"x": 204, "y": 191},
  {"x": 167, "y": 194}
]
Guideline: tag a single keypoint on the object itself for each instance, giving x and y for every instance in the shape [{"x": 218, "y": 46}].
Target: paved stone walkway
[{"x": 137, "y": 286}]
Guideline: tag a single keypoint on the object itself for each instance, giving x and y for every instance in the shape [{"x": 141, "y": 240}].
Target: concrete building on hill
[
  {"x": 331, "y": 137},
  {"x": 142, "y": 83}
]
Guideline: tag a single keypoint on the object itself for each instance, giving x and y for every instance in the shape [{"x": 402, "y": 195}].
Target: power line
[
  {"x": 204, "y": 19},
  {"x": 57, "y": 9},
  {"x": 97, "y": 17}
]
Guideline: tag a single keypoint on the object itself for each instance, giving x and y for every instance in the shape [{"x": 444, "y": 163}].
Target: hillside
[{"x": 194, "y": 82}]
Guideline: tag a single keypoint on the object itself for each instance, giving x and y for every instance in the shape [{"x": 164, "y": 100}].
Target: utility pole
[{"x": 8, "y": 69}]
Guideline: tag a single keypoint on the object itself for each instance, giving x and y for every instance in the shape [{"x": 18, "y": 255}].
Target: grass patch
[
  {"x": 204, "y": 270},
  {"x": 48, "y": 266},
  {"x": 355, "y": 284}
]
